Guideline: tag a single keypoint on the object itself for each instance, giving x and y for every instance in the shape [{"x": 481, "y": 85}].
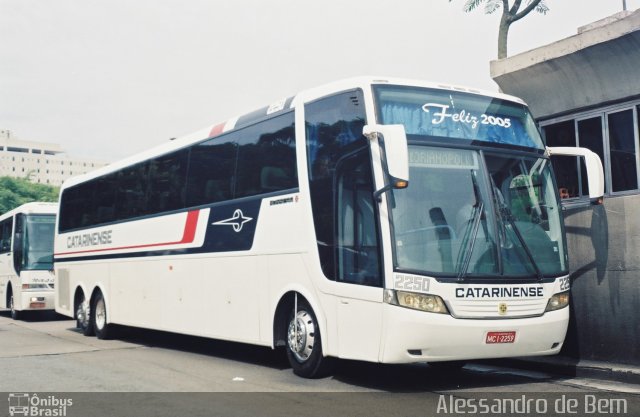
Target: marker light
[
  {"x": 558, "y": 301},
  {"x": 400, "y": 184}
]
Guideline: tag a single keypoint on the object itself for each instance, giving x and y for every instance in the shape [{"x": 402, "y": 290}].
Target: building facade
[
  {"x": 585, "y": 91},
  {"x": 40, "y": 162}
]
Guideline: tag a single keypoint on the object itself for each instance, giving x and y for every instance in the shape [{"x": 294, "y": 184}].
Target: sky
[{"x": 109, "y": 78}]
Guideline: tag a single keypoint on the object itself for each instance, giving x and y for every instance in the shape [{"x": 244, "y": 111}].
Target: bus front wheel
[
  {"x": 304, "y": 345},
  {"x": 101, "y": 327},
  {"x": 15, "y": 314}
]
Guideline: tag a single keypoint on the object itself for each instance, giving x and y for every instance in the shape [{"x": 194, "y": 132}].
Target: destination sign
[{"x": 442, "y": 158}]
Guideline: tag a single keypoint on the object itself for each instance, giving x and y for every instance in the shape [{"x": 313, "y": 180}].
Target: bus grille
[{"x": 479, "y": 309}]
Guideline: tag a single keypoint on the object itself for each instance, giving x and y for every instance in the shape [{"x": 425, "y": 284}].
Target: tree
[
  {"x": 17, "y": 191},
  {"x": 510, "y": 14}
]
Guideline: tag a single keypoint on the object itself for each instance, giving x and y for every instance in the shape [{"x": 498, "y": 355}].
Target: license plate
[{"x": 500, "y": 337}]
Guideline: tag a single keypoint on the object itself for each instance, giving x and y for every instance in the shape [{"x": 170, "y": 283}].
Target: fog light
[{"x": 36, "y": 305}]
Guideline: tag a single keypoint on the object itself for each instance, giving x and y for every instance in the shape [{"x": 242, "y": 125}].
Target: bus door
[
  {"x": 6, "y": 264},
  {"x": 344, "y": 215}
]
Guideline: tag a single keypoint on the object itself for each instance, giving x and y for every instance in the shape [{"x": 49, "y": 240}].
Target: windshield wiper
[
  {"x": 472, "y": 227},
  {"x": 505, "y": 213},
  {"x": 471, "y": 231}
]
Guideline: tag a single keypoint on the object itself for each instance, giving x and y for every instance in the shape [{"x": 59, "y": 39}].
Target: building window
[
  {"x": 13, "y": 149},
  {"x": 622, "y": 149},
  {"x": 612, "y": 135}
]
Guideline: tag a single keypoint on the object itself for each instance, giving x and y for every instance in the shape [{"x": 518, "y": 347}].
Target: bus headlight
[
  {"x": 416, "y": 301},
  {"x": 558, "y": 301}
]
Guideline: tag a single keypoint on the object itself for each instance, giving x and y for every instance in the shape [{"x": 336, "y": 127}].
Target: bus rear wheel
[
  {"x": 304, "y": 344},
  {"x": 102, "y": 328},
  {"x": 83, "y": 317}
]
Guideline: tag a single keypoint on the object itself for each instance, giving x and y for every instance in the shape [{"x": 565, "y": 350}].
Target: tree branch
[
  {"x": 514, "y": 9},
  {"x": 526, "y": 10}
]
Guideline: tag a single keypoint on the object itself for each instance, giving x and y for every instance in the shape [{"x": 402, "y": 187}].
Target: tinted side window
[
  {"x": 131, "y": 193},
  {"x": 5, "y": 235},
  {"x": 357, "y": 243},
  {"x": 167, "y": 182},
  {"x": 211, "y": 168},
  {"x": 266, "y": 157},
  {"x": 258, "y": 159},
  {"x": 334, "y": 131}
]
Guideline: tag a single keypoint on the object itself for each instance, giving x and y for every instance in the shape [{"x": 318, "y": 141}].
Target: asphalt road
[{"x": 48, "y": 355}]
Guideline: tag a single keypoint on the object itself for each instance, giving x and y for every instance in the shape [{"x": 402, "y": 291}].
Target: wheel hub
[
  {"x": 301, "y": 336},
  {"x": 82, "y": 313},
  {"x": 101, "y": 314}
]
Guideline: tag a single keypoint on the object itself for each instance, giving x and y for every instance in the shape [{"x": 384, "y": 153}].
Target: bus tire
[
  {"x": 101, "y": 327},
  {"x": 15, "y": 314},
  {"x": 304, "y": 344},
  {"x": 83, "y": 317}
]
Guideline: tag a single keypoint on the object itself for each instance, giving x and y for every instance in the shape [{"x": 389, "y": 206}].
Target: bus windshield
[
  {"x": 457, "y": 116},
  {"x": 468, "y": 213},
  {"x": 38, "y": 242}
]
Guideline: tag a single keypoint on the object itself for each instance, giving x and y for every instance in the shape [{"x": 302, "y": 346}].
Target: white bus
[
  {"x": 26, "y": 258},
  {"x": 371, "y": 219}
]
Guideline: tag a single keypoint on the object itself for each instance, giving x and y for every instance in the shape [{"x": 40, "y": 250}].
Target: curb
[{"x": 565, "y": 366}]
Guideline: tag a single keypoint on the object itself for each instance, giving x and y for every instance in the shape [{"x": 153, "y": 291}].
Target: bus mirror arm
[{"x": 392, "y": 141}]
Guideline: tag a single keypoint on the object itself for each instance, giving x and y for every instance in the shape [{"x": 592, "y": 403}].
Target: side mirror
[
  {"x": 393, "y": 141},
  {"x": 593, "y": 164}
]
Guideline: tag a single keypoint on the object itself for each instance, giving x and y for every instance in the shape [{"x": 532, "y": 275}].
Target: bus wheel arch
[
  {"x": 300, "y": 332},
  {"x": 82, "y": 312},
  {"x": 285, "y": 305}
]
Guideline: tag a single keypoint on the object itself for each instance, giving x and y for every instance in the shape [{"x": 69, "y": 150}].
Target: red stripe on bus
[
  {"x": 188, "y": 235},
  {"x": 216, "y": 130}
]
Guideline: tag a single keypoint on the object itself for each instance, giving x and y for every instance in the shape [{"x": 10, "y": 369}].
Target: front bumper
[{"x": 416, "y": 336}]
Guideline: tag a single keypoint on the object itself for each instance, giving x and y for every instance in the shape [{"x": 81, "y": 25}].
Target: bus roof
[
  {"x": 281, "y": 105},
  {"x": 32, "y": 208}
]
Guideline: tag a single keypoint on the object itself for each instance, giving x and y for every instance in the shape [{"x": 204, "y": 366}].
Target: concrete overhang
[{"x": 601, "y": 64}]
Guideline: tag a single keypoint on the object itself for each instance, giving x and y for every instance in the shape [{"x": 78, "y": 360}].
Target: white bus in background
[
  {"x": 26, "y": 258},
  {"x": 371, "y": 219}
]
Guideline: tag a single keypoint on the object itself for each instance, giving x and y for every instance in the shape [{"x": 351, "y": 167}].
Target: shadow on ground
[{"x": 391, "y": 378}]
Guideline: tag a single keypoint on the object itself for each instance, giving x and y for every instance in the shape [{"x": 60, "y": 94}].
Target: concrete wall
[{"x": 604, "y": 250}]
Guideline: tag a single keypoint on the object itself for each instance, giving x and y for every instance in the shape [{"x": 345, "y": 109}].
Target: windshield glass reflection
[{"x": 468, "y": 215}]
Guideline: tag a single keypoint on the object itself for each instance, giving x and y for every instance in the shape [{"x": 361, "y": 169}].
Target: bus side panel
[
  {"x": 137, "y": 296},
  {"x": 213, "y": 296},
  {"x": 4, "y": 283},
  {"x": 86, "y": 276}
]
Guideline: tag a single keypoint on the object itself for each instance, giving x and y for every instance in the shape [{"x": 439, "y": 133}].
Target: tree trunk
[{"x": 503, "y": 34}]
